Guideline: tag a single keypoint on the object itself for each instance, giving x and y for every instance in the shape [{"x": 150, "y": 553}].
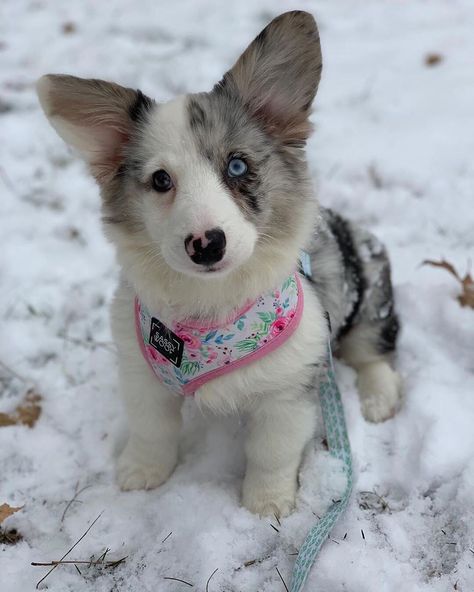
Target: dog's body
[{"x": 208, "y": 202}]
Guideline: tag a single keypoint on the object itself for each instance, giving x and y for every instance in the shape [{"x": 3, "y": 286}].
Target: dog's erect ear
[
  {"x": 93, "y": 116},
  {"x": 278, "y": 75}
]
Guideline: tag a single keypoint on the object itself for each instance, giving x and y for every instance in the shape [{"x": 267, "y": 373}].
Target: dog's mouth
[
  {"x": 221, "y": 268},
  {"x": 216, "y": 268}
]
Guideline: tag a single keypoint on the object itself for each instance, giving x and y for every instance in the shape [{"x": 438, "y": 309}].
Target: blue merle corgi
[{"x": 208, "y": 202}]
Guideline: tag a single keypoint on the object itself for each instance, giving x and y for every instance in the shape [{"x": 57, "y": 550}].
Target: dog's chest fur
[{"x": 294, "y": 365}]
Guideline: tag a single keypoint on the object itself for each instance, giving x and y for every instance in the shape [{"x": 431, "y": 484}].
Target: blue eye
[{"x": 236, "y": 167}]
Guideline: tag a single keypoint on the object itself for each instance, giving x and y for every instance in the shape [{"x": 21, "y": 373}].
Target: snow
[{"x": 393, "y": 150}]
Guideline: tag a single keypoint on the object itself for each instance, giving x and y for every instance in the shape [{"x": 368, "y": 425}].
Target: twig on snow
[
  {"x": 274, "y": 527},
  {"x": 167, "y": 537},
  {"x": 74, "y": 499},
  {"x": 281, "y": 578},
  {"x": 76, "y": 562},
  {"x": 209, "y": 579},
  {"x": 179, "y": 580},
  {"x": 55, "y": 564}
]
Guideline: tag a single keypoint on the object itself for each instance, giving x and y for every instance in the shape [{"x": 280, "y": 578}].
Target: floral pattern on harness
[{"x": 206, "y": 350}]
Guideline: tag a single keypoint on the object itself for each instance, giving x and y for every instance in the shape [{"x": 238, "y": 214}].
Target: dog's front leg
[
  {"x": 154, "y": 418},
  {"x": 278, "y": 432}
]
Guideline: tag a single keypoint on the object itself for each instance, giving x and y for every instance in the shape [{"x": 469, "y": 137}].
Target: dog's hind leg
[
  {"x": 378, "y": 384},
  {"x": 351, "y": 274},
  {"x": 369, "y": 344}
]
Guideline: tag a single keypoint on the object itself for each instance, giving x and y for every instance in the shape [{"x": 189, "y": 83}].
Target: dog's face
[{"x": 201, "y": 181}]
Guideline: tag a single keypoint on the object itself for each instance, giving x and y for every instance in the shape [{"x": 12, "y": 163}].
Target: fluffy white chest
[{"x": 279, "y": 372}]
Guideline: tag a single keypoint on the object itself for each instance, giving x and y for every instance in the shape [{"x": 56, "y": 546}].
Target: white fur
[
  {"x": 379, "y": 386},
  {"x": 379, "y": 390},
  {"x": 199, "y": 202},
  {"x": 282, "y": 418}
]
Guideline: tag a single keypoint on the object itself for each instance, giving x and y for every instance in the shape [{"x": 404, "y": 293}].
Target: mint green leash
[{"x": 339, "y": 447}]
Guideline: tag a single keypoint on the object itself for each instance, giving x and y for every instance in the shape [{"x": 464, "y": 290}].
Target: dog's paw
[
  {"x": 133, "y": 476},
  {"x": 143, "y": 473},
  {"x": 378, "y": 408},
  {"x": 267, "y": 506},
  {"x": 268, "y": 501},
  {"x": 380, "y": 390}
]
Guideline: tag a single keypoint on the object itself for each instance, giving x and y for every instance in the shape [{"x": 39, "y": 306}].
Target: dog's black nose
[{"x": 207, "y": 249}]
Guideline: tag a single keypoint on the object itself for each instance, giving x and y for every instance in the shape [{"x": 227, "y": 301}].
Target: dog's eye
[
  {"x": 161, "y": 181},
  {"x": 236, "y": 167}
]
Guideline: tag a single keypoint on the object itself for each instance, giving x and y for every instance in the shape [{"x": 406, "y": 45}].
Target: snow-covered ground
[{"x": 393, "y": 149}]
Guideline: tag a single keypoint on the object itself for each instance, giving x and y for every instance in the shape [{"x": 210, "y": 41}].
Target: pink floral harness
[{"x": 185, "y": 356}]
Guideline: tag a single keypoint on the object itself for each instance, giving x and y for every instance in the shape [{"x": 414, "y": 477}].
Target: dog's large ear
[
  {"x": 93, "y": 116},
  {"x": 278, "y": 75}
]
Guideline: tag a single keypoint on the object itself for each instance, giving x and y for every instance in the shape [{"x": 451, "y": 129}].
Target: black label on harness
[{"x": 166, "y": 342}]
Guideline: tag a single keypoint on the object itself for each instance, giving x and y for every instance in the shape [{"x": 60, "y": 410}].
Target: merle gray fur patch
[
  {"x": 222, "y": 129},
  {"x": 259, "y": 111},
  {"x": 351, "y": 273}
]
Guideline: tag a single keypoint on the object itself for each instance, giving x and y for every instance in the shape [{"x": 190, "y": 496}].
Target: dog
[{"x": 208, "y": 201}]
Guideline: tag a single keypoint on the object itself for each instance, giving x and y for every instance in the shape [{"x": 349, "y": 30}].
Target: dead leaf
[
  {"x": 69, "y": 28},
  {"x": 6, "y": 420},
  {"x": 433, "y": 59},
  {"x": 444, "y": 264},
  {"x": 27, "y": 413},
  {"x": 6, "y": 511},
  {"x": 466, "y": 297}
]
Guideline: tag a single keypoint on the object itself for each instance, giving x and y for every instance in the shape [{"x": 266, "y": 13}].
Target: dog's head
[{"x": 202, "y": 181}]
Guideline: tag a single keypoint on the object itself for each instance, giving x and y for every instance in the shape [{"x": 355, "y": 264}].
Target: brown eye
[{"x": 161, "y": 181}]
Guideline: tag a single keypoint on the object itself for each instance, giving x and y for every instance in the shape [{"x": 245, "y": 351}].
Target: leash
[{"x": 339, "y": 447}]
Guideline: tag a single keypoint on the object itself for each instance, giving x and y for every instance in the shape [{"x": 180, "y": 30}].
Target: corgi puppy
[{"x": 208, "y": 202}]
